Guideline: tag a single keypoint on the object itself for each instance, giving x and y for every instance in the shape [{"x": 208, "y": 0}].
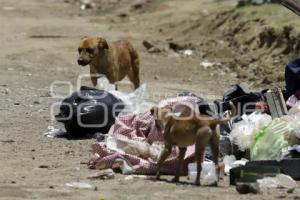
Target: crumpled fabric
[{"x": 140, "y": 127}]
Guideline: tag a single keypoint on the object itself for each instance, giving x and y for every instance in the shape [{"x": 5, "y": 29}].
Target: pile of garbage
[{"x": 260, "y": 148}]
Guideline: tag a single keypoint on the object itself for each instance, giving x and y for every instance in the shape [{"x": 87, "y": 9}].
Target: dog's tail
[{"x": 227, "y": 119}]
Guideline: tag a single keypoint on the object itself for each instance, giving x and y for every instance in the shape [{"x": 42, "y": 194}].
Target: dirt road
[{"x": 38, "y": 47}]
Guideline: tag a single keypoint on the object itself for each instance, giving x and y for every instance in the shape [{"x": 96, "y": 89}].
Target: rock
[
  {"x": 86, "y": 4},
  {"x": 36, "y": 102},
  {"x": 175, "y": 47},
  {"x": 8, "y": 141},
  {"x": 44, "y": 166},
  {"x": 156, "y": 77},
  {"x": 138, "y": 6},
  {"x": 123, "y": 15},
  {"x": 246, "y": 188},
  {"x": 150, "y": 47}
]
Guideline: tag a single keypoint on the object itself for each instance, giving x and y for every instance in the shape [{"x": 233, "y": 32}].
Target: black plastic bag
[
  {"x": 89, "y": 110},
  {"x": 204, "y": 107}
]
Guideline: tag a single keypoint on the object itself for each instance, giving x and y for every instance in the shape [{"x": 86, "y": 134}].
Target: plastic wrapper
[
  {"x": 243, "y": 132},
  {"x": 270, "y": 140}
]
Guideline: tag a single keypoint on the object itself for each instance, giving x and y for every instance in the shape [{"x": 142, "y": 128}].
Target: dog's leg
[
  {"x": 179, "y": 164},
  {"x": 94, "y": 76},
  {"x": 214, "y": 145},
  {"x": 166, "y": 152},
  {"x": 202, "y": 138},
  {"x": 134, "y": 77}
]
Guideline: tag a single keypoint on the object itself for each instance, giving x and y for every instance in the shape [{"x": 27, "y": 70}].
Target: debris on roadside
[
  {"x": 206, "y": 64},
  {"x": 47, "y": 36},
  {"x": 87, "y": 4},
  {"x": 280, "y": 180},
  {"x": 79, "y": 185},
  {"x": 54, "y": 132},
  {"x": 246, "y": 188},
  {"x": 241, "y": 3},
  {"x": 179, "y": 50},
  {"x": 103, "y": 175},
  {"x": 150, "y": 47},
  {"x": 132, "y": 177}
]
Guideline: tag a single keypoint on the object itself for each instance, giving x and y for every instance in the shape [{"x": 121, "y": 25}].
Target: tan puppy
[
  {"x": 114, "y": 60},
  {"x": 185, "y": 130}
]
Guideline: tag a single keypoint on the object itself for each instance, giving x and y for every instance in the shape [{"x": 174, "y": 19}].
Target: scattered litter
[
  {"x": 231, "y": 162},
  {"x": 55, "y": 132},
  {"x": 123, "y": 165},
  {"x": 83, "y": 112},
  {"x": 173, "y": 54},
  {"x": 206, "y": 64},
  {"x": 131, "y": 177},
  {"x": 208, "y": 173},
  {"x": 86, "y": 4},
  {"x": 281, "y": 180},
  {"x": 246, "y": 188},
  {"x": 175, "y": 47},
  {"x": 44, "y": 166},
  {"x": 253, "y": 2},
  {"x": 79, "y": 185},
  {"x": 150, "y": 47},
  {"x": 243, "y": 132},
  {"x": 270, "y": 140},
  {"x": 134, "y": 147},
  {"x": 8, "y": 141},
  {"x": 175, "y": 50},
  {"x": 47, "y": 36},
  {"x": 268, "y": 182},
  {"x": 135, "y": 101},
  {"x": 187, "y": 52},
  {"x": 103, "y": 175},
  {"x": 286, "y": 181}
]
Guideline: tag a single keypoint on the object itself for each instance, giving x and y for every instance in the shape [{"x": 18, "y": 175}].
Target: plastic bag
[
  {"x": 139, "y": 148},
  {"x": 208, "y": 174},
  {"x": 89, "y": 111},
  {"x": 243, "y": 132},
  {"x": 269, "y": 141},
  {"x": 134, "y": 101}
]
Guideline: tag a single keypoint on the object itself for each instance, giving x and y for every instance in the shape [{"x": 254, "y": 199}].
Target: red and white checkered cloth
[{"x": 140, "y": 127}]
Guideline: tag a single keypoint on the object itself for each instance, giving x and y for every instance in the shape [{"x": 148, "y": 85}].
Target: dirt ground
[{"x": 39, "y": 46}]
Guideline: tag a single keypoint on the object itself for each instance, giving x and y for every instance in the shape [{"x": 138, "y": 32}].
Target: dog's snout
[{"x": 80, "y": 61}]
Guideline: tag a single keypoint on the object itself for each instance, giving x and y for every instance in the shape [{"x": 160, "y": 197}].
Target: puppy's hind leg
[
  {"x": 179, "y": 164},
  {"x": 166, "y": 152},
  {"x": 214, "y": 145},
  {"x": 202, "y": 138}
]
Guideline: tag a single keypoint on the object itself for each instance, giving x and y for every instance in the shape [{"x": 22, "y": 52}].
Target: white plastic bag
[
  {"x": 243, "y": 132},
  {"x": 208, "y": 174},
  {"x": 134, "y": 101}
]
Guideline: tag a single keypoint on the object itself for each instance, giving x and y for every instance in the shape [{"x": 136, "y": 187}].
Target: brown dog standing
[
  {"x": 185, "y": 130},
  {"x": 114, "y": 60}
]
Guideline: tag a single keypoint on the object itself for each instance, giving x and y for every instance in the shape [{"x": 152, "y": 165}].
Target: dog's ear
[
  {"x": 102, "y": 44},
  {"x": 154, "y": 110}
]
